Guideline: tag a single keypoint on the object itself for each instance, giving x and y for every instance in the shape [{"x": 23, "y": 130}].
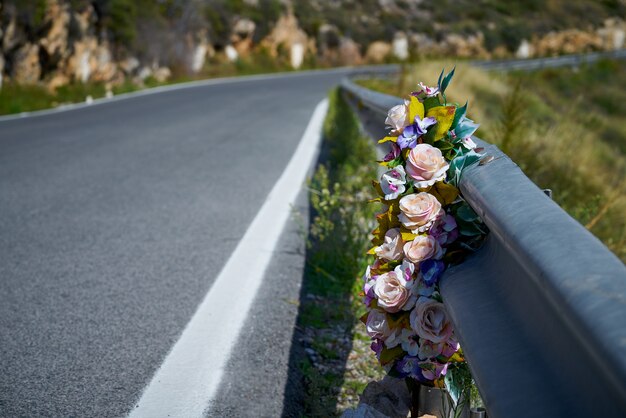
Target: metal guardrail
[
  {"x": 540, "y": 309},
  {"x": 549, "y": 62}
]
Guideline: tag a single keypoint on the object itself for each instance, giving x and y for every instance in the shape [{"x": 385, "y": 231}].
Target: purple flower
[
  {"x": 368, "y": 286},
  {"x": 393, "y": 154},
  {"x": 445, "y": 232},
  {"x": 423, "y": 371},
  {"x": 450, "y": 347},
  {"x": 408, "y": 138},
  {"x": 431, "y": 270},
  {"x": 368, "y": 289},
  {"x": 409, "y": 366},
  {"x": 377, "y": 347}
]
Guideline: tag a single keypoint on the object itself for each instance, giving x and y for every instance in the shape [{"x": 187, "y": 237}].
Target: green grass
[
  {"x": 338, "y": 240},
  {"x": 563, "y": 127},
  {"x": 15, "y": 98}
]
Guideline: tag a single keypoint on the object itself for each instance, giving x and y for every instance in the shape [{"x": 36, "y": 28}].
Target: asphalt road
[{"x": 114, "y": 221}]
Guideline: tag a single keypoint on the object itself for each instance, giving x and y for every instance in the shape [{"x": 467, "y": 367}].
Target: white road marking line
[{"x": 188, "y": 379}]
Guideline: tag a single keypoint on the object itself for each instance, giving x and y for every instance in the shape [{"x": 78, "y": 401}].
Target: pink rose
[
  {"x": 398, "y": 116},
  {"x": 426, "y": 165},
  {"x": 429, "y": 319},
  {"x": 392, "y": 247},
  {"x": 419, "y": 211},
  {"x": 422, "y": 248},
  {"x": 392, "y": 292}
]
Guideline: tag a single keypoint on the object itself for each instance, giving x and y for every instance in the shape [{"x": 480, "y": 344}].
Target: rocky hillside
[{"x": 56, "y": 42}]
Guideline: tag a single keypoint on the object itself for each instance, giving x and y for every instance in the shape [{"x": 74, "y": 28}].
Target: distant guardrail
[
  {"x": 549, "y": 62},
  {"x": 540, "y": 309}
]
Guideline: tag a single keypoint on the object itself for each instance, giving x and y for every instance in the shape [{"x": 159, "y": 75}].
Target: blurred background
[{"x": 68, "y": 49}]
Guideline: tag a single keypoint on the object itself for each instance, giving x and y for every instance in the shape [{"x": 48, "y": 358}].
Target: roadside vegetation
[
  {"x": 16, "y": 98},
  {"x": 339, "y": 363},
  {"x": 564, "y": 127}
]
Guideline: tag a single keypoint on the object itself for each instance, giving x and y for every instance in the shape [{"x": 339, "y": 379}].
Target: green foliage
[
  {"x": 15, "y": 98},
  {"x": 30, "y": 13},
  {"x": 220, "y": 14},
  {"x": 121, "y": 19},
  {"x": 338, "y": 238},
  {"x": 514, "y": 116}
]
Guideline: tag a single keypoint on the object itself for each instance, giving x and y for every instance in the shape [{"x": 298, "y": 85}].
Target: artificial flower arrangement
[{"x": 425, "y": 226}]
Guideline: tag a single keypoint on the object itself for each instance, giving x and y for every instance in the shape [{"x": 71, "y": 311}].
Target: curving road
[{"x": 114, "y": 221}]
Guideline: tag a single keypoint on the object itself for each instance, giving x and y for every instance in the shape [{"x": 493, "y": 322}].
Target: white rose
[
  {"x": 392, "y": 247},
  {"x": 398, "y": 116}
]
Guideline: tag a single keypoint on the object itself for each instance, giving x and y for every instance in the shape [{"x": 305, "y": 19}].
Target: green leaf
[
  {"x": 459, "y": 164},
  {"x": 444, "y": 116},
  {"x": 455, "y": 388},
  {"x": 445, "y": 193},
  {"x": 465, "y": 128},
  {"x": 440, "y": 77},
  {"x": 444, "y": 145},
  {"x": 470, "y": 229},
  {"x": 394, "y": 163},
  {"x": 388, "y": 355},
  {"x": 446, "y": 80},
  {"x": 466, "y": 213},
  {"x": 460, "y": 113},
  {"x": 431, "y": 102}
]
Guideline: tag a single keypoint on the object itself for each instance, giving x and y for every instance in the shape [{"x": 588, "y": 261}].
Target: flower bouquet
[{"x": 425, "y": 226}]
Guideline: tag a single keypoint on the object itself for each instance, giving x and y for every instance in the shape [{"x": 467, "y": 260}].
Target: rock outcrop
[
  {"x": 377, "y": 52},
  {"x": 26, "y": 68},
  {"x": 67, "y": 49},
  {"x": 69, "y": 41},
  {"x": 287, "y": 36},
  {"x": 242, "y": 36}
]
